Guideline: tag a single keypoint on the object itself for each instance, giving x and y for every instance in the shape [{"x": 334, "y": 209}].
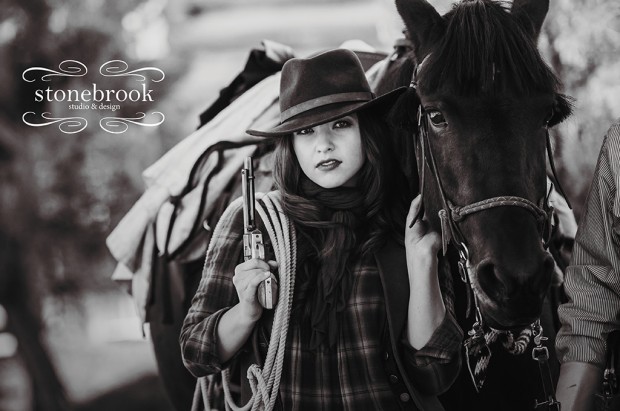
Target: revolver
[{"x": 253, "y": 246}]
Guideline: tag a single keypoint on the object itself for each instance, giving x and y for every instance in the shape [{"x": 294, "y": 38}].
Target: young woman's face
[{"x": 330, "y": 154}]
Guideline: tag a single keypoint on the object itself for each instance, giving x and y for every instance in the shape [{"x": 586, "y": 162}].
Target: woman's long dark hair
[{"x": 329, "y": 242}]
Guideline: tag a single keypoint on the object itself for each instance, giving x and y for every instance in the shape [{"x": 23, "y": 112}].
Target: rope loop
[{"x": 265, "y": 382}]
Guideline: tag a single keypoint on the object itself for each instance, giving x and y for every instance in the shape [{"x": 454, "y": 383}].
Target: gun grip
[{"x": 268, "y": 293}]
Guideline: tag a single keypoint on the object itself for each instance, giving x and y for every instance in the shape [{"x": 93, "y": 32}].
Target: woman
[{"x": 369, "y": 328}]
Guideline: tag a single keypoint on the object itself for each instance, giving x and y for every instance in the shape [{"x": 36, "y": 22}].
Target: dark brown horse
[
  {"x": 480, "y": 104},
  {"x": 474, "y": 137}
]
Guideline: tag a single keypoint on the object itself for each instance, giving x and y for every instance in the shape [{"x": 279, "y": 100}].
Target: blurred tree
[
  {"x": 59, "y": 193},
  {"x": 18, "y": 298},
  {"x": 581, "y": 39}
]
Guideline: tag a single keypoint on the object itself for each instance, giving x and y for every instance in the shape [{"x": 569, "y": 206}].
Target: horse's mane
[{"x": 486, "y": 50}]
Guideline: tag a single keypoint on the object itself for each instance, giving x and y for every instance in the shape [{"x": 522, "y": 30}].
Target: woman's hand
[
  {"x": 426, "y": 306},
  {"x": 248, "y": 275},
  {"x": 421, "y": 241}
]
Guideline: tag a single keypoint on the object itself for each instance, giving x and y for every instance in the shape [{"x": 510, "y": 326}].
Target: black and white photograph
[{"x": 295, "y": 205}]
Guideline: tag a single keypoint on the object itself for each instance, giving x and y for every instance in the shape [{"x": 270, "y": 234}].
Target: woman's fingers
[
  {"x": 257, "y": 279},
  {"x": 243, "y": 277},
  {"x": 254, "y": 263},
  {"x": 416, "y": 211},
  {"x": 417, "y": 226},
  {"x": 414, "y": 207},
  {"x": 248, "y": 275},
  {"x": 247, "y": 281},
  {"x": 247, "y": 288},
  {"x": 419, "y": 233}
]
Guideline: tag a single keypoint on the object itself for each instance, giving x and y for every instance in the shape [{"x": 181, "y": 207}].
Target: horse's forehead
[
  {"x": 483, "y": 50},
  {"x": 512, "y": 102}
]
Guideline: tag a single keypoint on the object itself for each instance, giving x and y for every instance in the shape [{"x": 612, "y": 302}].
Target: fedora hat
[{"x": 323, "y": 88}]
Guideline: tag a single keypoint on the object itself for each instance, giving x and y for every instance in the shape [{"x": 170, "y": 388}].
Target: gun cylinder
[{"x": 267, "y": 292}]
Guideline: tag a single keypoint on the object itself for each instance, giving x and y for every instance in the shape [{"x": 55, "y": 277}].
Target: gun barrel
[
  {"x": 247, "y": 190},
  {"x": 252, "y": 237},
  {"x": 247, "y": 164}
]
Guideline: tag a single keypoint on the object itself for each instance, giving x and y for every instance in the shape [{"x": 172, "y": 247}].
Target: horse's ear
[
  {"x": 424, "y": 25},
  {"x": 532, "y": 13}
]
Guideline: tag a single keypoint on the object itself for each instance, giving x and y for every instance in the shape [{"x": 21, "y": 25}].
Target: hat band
[{"x": 323, "y": 101}]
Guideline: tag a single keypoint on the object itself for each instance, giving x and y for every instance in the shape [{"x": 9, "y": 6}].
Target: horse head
[{"x": 480, "y": 104}]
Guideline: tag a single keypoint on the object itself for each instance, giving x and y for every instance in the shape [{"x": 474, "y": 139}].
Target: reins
[{"x": 477, "y": 344}]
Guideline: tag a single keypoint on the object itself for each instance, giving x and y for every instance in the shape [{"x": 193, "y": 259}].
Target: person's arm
[
  {"x": 426, "y": 307},
  {"x": 432, "y": 339},
  {"x": 592, "y": 283},
  {"x": 578, "y": 383},
  {"x": 236, "y": 324},
  {"x": 224, "y": 309}
]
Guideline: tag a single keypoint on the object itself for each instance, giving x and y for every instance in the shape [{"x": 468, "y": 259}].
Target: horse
[
  {"x": 472, "y": 132},
  {"x": 474, "y": 125}
]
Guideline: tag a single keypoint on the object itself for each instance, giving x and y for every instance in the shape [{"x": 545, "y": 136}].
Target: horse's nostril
[
  {"x": 546, "y": 273},
  {"x": 488, "y": 278},
  {"x": 502, "y": 285}
]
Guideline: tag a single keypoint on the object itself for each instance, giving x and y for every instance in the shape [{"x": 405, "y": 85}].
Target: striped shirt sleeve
[{"x": 593, "y": 278}]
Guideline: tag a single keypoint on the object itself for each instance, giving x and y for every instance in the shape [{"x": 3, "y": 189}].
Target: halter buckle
[
  {"x": 540, "y": 353},
  {"x": 552, "y": 404},
  {"x": 463, "y": 252},
  {"x": 463, "y": 262},
  {"x": 537, "y": 332},
  {"x": 462, "y": 272}
]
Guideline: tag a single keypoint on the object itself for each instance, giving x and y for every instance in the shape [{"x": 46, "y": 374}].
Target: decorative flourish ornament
[
  {"x": 93, "y": 98},
  {"x": 68, "y": 68},
  {"x": 119, "y": 125},
  {"x": 118, "y": 68},
  {"x": 68, "y": 125}
]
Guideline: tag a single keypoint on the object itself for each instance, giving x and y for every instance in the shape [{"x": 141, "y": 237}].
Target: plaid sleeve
[
  {"x": 215, "y": 295},
  {"x": 592, "y": 280},
  {"x": 435, "y": 366}
]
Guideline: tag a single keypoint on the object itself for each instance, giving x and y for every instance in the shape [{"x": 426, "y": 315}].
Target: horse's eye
[
  {"x": 549, "y": 117},
  {"x": 437, "y": 118}
]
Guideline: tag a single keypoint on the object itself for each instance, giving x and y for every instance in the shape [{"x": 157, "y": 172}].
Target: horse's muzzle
[{"x": 508, "y": 298}]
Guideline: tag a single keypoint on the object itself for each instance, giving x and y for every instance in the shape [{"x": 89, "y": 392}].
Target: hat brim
[{"x": 327, "y": 113}]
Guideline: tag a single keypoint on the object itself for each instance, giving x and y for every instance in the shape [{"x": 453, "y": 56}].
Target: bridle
[{"x": 452, "y": 214}]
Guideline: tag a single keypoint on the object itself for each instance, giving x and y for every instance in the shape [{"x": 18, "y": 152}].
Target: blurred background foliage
[
  {"x": 62, "y": 194},
  {"x": 581, "y": 41}
]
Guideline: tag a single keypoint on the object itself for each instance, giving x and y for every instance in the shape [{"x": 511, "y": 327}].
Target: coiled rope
[{"x": 264, "y": 382}]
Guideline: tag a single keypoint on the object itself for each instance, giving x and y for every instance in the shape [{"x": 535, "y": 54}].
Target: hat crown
[
  {"x": 323, "y": 88},
  {"x": 330, "y": 77}
]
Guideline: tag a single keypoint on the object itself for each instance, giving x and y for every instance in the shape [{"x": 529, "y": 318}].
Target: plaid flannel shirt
[{"x": 350, "y": 377}]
